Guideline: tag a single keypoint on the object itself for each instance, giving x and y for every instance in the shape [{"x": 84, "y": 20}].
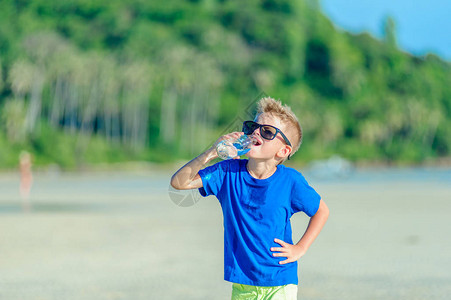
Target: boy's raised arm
[{"x": 187, "y": 177}]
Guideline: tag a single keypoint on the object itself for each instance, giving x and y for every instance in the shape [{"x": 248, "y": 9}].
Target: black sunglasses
[{"x": 267, "y": 132}]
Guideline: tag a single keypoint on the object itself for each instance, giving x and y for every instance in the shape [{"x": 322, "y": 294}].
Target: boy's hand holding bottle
[{"x": 233, "y": 145}]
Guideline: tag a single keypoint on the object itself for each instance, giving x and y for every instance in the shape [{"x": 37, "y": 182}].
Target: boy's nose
[{"x": 257, "y": 135}]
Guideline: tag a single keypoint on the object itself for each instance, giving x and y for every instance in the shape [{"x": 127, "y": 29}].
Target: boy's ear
[{"x": 284, "y": 151}]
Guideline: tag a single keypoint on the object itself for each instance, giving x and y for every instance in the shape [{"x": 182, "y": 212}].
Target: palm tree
[
  {"x": 12, "y": 116},
  {"x": 136, "y": 80}
]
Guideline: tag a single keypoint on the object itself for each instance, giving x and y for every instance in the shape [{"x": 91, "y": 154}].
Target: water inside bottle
[
  {"x": 240, "y": 149},
  {"x": 230, "y": 149}
]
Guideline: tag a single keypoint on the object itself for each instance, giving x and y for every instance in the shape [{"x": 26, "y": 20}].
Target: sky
[{"x": 422, "y": 26}]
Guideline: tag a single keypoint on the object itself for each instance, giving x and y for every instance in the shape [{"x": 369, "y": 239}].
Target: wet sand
[{"x": 122, "y": 236}]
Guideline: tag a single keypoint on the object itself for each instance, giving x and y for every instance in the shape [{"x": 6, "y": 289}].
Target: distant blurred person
[{"x": 26, "y": 179}]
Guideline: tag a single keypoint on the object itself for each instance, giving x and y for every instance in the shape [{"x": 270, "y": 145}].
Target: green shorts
[{"x": 249, "y": 292}]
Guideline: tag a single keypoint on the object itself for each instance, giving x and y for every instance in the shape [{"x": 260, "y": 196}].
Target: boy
[{"x": 258, "y": 196}]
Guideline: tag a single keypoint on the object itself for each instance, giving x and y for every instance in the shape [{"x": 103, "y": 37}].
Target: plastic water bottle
[{"x": 234, "y": 147}]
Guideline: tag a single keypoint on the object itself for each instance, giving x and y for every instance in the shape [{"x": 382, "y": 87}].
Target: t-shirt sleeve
[
  {"x": 304, "y": 197},
  {"x": 213, "y": 178}
]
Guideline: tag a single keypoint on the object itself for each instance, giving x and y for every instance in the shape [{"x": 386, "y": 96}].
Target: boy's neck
[{"x": 261, "y": 169}]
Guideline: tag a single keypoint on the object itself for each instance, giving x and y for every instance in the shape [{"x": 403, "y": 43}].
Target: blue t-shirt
[{"x": 256, "y": 211}]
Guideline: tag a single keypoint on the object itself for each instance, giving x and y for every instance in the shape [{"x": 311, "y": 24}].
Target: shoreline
[{"x": 146, "y": 166}]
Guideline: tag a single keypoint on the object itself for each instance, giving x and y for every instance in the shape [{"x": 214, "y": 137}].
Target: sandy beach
[{"x": 128, "y": 236}]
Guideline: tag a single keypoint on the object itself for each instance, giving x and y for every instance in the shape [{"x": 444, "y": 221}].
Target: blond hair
[{"x": 286, "y": 116}]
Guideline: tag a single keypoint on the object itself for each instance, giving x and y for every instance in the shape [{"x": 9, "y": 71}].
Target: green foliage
[{"x": 85, "y": 82}]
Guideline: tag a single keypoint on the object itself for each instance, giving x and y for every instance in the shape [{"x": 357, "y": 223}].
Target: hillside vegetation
[{"x": 85, "y": 82}]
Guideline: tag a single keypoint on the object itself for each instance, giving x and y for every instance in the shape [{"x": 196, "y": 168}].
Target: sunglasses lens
[
  {"x": 249, "y": 127},
  {"x": 268, "y": 132}
]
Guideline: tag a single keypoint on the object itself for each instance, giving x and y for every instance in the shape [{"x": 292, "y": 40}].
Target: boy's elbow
[
  {"x": 175, "y": 183},
  {"x": 179, "y": 183},
  {"x": 326, "y": 213},
  {"x": 324, "y": 209}
]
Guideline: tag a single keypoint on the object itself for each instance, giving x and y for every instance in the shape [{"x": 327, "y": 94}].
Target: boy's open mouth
[{"x": 257, "y": 142}]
